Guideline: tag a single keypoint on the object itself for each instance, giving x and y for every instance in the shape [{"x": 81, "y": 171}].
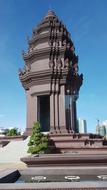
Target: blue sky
[{"x": 86, "y": 20}]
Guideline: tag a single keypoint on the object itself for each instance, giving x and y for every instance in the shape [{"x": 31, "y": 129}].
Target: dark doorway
[{"x": 44, "y": 112}]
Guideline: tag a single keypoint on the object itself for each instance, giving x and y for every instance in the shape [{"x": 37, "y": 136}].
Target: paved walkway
[
  {"x": 18, "y": 165},
  {"x": 10, "y": 155},
  {"x": 56, "y": 186}
]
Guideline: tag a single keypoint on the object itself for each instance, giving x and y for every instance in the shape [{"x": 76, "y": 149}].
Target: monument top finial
[{"x": 50, "y": 13}]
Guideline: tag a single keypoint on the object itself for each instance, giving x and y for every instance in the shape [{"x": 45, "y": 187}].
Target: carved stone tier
[
  {"x": 29, "y": 79},
  {"x": 44, "y": 36},
  {"x": 66, "y": 142},
  {"x": 90, "y": 159},
  {"x": 39, "y": 53}
]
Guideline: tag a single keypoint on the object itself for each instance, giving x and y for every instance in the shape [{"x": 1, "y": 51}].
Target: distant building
[
  {"x": 82, "y": 125},
  {"x": 104, "y": 123},
  {"x": 101, "y": 129}
]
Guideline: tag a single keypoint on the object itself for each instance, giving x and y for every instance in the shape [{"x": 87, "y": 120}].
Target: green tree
[
  {"x": 38, "y": 142},
  {"x": 12, "y": 132}
]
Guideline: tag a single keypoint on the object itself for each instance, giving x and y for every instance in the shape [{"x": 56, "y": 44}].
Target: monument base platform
[
  {"x": 71, "y": 150},
  {"x": 72, "y": 159},
  {"x": 65, "y": 143}
]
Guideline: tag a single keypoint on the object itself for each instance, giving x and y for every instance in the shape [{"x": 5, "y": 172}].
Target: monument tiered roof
[
  {"x": 50, "y": 48},
  {"x": 50, "y": 30},
  {"x": 48, "y": 22}
]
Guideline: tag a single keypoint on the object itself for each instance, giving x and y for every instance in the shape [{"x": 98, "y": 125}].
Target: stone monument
[
  {"x": 52, "y": 83},
  {"x": 50, "y": 77}
]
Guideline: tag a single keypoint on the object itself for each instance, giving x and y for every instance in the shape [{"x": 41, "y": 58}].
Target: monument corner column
[
  {"x": 31, "y": 102},
  {"x": 73, "y": 113},
  {"x": 62, "y": 118}
]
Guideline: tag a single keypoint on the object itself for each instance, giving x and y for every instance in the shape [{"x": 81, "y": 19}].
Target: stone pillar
[
  {"x": 62, "y": 119},
  {"x": 36, "y": 108},
  {"x": 52, "y": 113},
  {"x": 57, "y": 112},
  {"x": 73, "y": 114},
  {"x": 31, "y": 111}
]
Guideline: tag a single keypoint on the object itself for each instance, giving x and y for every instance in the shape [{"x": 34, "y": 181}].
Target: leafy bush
[
  {"x": 12, "y": 132},
  {"x": 38, "y": 142}
]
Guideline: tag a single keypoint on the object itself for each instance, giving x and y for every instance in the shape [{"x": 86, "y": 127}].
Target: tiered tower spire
[{"x": 51, "y": 69}]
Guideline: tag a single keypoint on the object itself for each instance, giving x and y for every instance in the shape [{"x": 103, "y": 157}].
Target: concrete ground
[
  {"x": 18, "y": 165},
  {"x": 56, "y": 186},
  {"x": 13, "y": 151}
]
